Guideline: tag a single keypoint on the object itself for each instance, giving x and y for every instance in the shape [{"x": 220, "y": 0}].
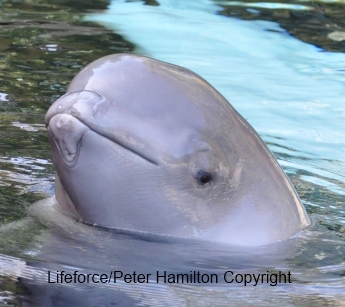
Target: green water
[
  {"x": 43, "y": 46},
  {"x": 289, "y": 90}
]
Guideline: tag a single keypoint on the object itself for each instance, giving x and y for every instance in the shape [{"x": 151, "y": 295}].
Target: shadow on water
[
  {"x": 146, "y": 2},
  {"x": 64, "y": 243},
  {"x": 320, "y": 23},
  {"x": 43, "y": 46}
]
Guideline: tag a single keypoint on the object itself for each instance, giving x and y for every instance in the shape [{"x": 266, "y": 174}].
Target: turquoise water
[
  {"x": 290, "y": 91},
  {"x": 259, "y": 55}
]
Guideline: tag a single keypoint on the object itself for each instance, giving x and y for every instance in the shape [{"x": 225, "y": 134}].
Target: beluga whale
[{"x": 146, "y": 146}]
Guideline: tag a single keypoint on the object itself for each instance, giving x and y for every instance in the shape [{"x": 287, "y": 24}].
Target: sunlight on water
[
  {"x": 290, "y": 91},
  {"x": 253, "y": 53},
  {"x": 285, "y": 88},
  {"x": 268, "y": 5}
]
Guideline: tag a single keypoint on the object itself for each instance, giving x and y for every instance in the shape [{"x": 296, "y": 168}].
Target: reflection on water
[
  {"x": 311, "y": 265},
  {"x": 290, "y": 91},
  {"x": 317, "y": 22},
  {"x": 42, "y": 47},
  {"x": 291, "y": 94}
]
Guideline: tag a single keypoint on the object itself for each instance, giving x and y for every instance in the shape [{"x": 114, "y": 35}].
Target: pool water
[{"x": 281, "y": 65}]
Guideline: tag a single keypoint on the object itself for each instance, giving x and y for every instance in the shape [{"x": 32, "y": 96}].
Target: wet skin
[{"x": 144, "y": 145}]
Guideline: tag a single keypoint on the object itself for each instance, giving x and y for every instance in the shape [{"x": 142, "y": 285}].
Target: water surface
[{"x": 280, "y": 64}]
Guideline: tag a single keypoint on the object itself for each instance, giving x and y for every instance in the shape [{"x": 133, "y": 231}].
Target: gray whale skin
[{"x": 151, "y": 147}]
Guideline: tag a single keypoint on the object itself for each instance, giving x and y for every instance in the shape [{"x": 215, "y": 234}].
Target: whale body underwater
[{"x": 151, "y": 147}]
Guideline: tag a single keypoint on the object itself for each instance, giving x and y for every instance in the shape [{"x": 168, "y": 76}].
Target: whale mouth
[{"x": 72, "y": 115}]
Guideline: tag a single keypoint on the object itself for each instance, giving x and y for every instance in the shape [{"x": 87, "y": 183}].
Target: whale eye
[{"x": 203, "y": 177}]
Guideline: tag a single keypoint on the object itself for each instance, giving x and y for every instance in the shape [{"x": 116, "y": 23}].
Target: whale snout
[
  {"x": 67, "y": 132},
  {"x": 67, "y": 121},
  {"x": 73, "y": 114},
  {"x": 83, "y": 105}
]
